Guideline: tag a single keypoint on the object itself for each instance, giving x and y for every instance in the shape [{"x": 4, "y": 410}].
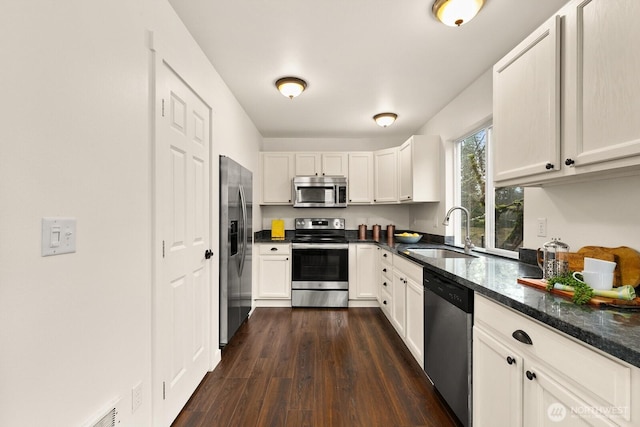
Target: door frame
[{"x": 160, "y": 53}]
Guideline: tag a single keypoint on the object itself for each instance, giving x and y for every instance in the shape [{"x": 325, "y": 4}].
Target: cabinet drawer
[
  {"x": 275, "y": 249},
  {"x": 408, "y": 268},
  {"x": 386, "y": 257},
  {"x": 600, "y": 379}
]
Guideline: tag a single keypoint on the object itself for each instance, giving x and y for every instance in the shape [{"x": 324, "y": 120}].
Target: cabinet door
[
  {"x": 415, "y": 320},
  {"x": 399, "y": 303},
  {"x": 365, "y": 283},
  {"x": 274, "y": 275},
  {"x": 386, "y": 176},
  {"x": 497, "y": 383},
  {"x": 308, "y": 164},
  {"x": 277, "y": 175},
  {"x": 360, "y": 178},
  {"x": 405, "y": 170},
  {"x": 603, "y": 88},
  {"x": 526, "y": 107},
  {"x": 549, "y": 402},
  {"x": 335, "y": 164}
]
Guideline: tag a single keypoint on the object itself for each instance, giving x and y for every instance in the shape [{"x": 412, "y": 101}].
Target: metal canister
[
  {"x": 391, "y": 230},
  {"x": 362, "y": 232},
  {"x": 376, "y": 232}
]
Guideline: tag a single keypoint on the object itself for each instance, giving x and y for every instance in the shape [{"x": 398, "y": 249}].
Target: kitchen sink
[{"x": 438, "y": 253}]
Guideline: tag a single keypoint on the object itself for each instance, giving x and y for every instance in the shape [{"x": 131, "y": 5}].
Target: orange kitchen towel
[{"x": 277, "y": 229}]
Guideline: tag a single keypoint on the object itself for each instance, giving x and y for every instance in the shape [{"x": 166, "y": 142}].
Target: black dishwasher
[{"x": 448, "y": 322}]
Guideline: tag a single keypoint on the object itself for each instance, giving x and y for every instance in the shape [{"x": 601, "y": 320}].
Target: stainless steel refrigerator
[{"x": 236, "y": 237}]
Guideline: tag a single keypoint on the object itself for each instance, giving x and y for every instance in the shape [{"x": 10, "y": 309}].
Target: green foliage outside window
[{"x": 509, "y": 201}]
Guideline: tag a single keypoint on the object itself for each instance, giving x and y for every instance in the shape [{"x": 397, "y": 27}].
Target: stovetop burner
[{"x": 320, "y": 230}]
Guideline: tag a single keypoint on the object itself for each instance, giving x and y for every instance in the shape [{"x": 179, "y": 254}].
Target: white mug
[
  {"x": 599, "y": 265},
  {"x": 595, "y": 279}
]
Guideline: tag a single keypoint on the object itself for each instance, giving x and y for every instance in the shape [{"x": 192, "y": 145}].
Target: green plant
[{"x": 582, "y": 292}]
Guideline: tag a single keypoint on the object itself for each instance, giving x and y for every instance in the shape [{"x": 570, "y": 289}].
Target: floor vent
[{"x": 107, "y": 418}]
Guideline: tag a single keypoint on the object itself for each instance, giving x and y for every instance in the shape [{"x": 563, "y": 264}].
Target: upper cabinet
[
  {"x": 419, "y": 169},
  {"x": 526, "y": 106},
  {"x": 360, "y": 178},
  {"x": 596, "y": 93},
  {"x": 408, "y": 173},
  {"x": 330, "y": 164},
  {"x": 385, "y": 184},
  {"x": 277, "y": 175}
]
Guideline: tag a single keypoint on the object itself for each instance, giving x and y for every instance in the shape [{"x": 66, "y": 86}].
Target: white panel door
[{"x": 182, "y": 287}]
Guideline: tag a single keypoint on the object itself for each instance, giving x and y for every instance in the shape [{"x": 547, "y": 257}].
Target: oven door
[{"x": 320, "y": 266}]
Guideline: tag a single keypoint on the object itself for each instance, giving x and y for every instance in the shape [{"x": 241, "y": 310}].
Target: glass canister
[{"x": 553, "y": 258}]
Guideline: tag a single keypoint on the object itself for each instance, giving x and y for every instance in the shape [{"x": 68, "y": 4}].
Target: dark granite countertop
[{"x": 614, "y": 331}]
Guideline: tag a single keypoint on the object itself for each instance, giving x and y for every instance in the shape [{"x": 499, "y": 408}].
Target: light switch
[{"x": 58, "y": 236}]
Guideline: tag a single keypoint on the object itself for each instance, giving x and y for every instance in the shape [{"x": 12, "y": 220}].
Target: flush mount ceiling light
[
  {"x": 456, "y": 12},
  {"x": 385, "y": 119},
  {"x": 291, "y": 86}
]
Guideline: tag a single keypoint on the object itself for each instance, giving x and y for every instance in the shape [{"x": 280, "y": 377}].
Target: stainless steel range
[{"x": 320, "y": 266}]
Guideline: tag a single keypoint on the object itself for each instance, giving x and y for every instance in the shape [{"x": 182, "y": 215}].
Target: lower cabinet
[
  {"x": 274, "y": 271},
  {"x": 362, "y": 271},
  {"x": 400, "y": 294},
  {"x": 526, "y": 374}
]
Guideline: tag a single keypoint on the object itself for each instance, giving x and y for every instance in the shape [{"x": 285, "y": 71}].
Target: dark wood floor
[{"x": 315, "y": 367}]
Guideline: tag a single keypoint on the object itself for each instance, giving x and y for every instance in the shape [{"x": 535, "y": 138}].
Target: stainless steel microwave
[{"x": 319, "y": 192}]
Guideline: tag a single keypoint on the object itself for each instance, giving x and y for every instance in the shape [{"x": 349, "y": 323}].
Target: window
[{"x": 496, "y": 214}]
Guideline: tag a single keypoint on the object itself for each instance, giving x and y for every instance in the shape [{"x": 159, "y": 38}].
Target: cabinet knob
[
  {"x": 384, "y": 270},
  {"x": 274, "y": 249},
  {"x": 511, "y": 360},
  {"x": 384, "y": 283},
  {"x": 549, "y": 166},
  {"x": 384, "y": 255},
  {"x": 531, "y": 375},
  {"x": 384, "y": 302},
  {"x": 569, "y": 162},
  {"x": 522, "y": 336}
]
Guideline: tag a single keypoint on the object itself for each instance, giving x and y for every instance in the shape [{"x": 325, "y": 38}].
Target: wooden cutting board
[
  {"x": 595, "y": 301},
  {"x": 628, "y": 260}
]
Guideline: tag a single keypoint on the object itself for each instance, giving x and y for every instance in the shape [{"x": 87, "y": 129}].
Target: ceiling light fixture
[
  {"x": 456, "y": 12},
  {"x": 291, "y": 86},
  {"x": 385, "y": 119}
]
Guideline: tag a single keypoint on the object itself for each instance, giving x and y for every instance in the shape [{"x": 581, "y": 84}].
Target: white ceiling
[{"x": 359, "y": 58}]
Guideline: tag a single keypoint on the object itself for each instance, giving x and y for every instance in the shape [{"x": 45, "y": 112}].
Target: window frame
[{"x": 490, "y": 195}]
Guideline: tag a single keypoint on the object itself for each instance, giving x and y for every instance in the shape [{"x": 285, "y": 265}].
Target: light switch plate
[{"x": 58, "y": 236}]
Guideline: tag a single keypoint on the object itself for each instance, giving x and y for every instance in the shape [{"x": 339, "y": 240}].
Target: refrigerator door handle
[{"x": 243, "y": 239}]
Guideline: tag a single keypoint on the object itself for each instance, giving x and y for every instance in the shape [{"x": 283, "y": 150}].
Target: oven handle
[{"x": 319, "y": 246}]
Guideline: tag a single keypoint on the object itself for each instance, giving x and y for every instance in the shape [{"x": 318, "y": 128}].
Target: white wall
[
  {"x": 354, "y": 215},
  {"x": 76, "y": 328},
  {"x": 464, "y": 114}
]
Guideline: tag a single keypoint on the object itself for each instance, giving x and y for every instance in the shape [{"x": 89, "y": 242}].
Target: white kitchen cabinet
[
  {"x": 308, "y": 164},
  {"x": 360, "y": 179},
  {"x": 552, "y": 379},
  {"x": 414, "y": 336},
  {"x": 274, "y": 271},
  {"x": 329, "y": 164},
  {"x": 385, "y": 280},
  {"x": 385, "y": 188},
  {"x": 595, "y": 92},
  {"x": 602, "y": 88},
  {"x": 419, "y": 169},
  {"x": 526, "y": 106},
  {"x": 399, "y": 302},
  {"x": 362, "y": 271},
  {"x": 277, "y": 175}
]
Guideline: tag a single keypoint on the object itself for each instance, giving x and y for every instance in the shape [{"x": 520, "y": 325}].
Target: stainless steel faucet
[{"x": 467, "y": 240}]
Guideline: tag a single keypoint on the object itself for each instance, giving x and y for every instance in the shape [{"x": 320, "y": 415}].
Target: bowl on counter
[{"x": 408, "y": 239}]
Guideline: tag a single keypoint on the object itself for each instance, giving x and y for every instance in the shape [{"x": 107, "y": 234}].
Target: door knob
[{"x": 208, "y": 254}]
